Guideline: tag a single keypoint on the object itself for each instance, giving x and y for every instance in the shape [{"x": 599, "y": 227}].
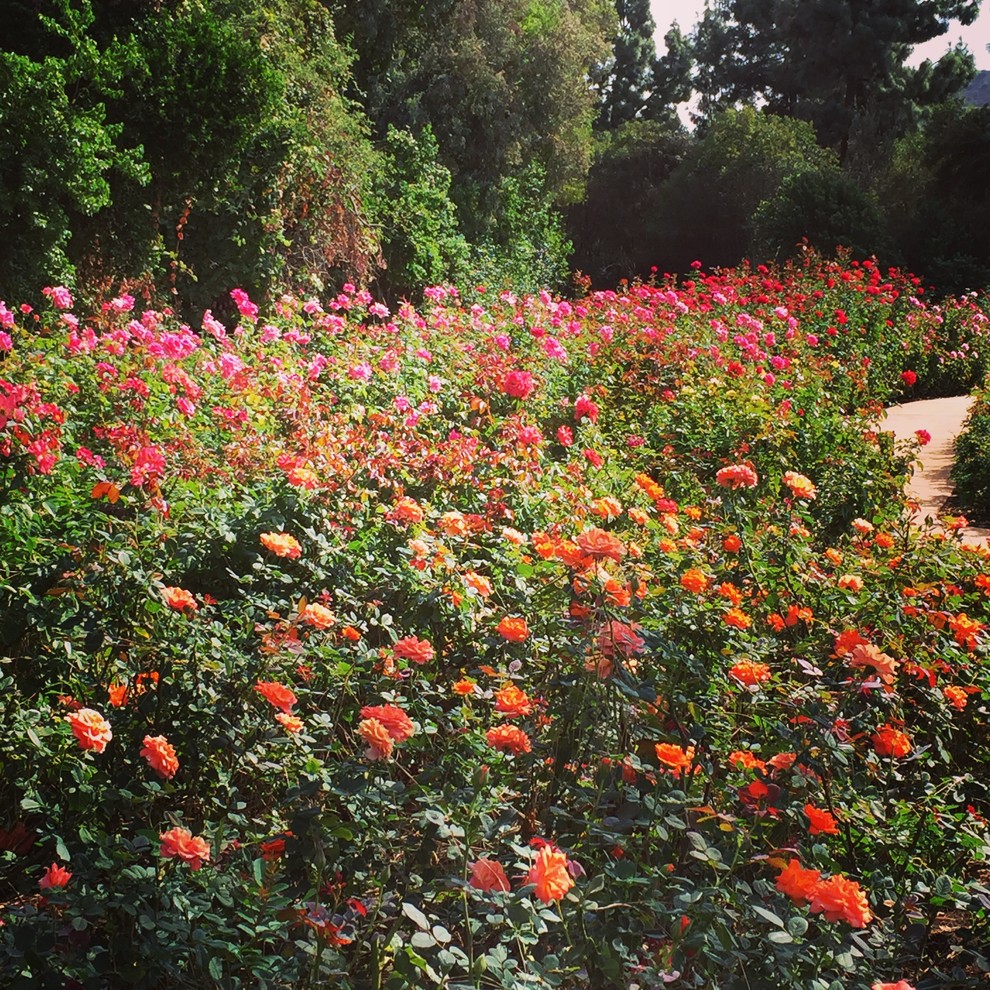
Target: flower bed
[{"x": 501, "y": 643}]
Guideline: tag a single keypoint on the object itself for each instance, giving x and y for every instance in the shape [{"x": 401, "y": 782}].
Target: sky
[{"x": 977, "y": 36}]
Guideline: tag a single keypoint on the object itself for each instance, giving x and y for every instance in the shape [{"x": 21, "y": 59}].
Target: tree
[
  {"x": 706, "y": 210},
  {"x": 502, "y": 84},
  {"x": 616, "y": 228},
  {"x": 835, "y": 63},
  {"x": 936, "y": 198},
  {"x": 633, "y": 83}
]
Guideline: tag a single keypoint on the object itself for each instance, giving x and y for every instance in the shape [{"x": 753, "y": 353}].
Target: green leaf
[
  {"x": 768, "y": 916},
  {"x": 781, "y": 938},
  {"x": 416, "y": 916}
]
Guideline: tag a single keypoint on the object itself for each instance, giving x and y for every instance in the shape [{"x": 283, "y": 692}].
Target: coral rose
[
  {"x": 91, "y": 729},
  {"x": 54, "y": 877},
  {"x": 841, "y": 899},
  {"x": 600, "y": 545},
  {"x": 737, "y": 476},
  {"x": 397, "y": 723},
  {"x": 417, "y": 650},
  {"x": 488, "y": 875},
  {"x": 180, "y": 843},
  {"x": 619, "y": 636},
  {"x": 867, "y": 655},
  {"x": 160, "y": 754},
  {"x": 899, "y": 985},
  {"x": 549, "y": 874}
]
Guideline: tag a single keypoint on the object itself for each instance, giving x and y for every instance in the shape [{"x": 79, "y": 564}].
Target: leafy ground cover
[{"x": 505, "y": 642}]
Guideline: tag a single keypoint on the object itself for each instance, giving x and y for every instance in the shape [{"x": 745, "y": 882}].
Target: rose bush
[{"x": 499, "y": 643}]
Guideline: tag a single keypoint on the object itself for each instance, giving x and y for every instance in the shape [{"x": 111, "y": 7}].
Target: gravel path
[{"x": 931, "y": 486}]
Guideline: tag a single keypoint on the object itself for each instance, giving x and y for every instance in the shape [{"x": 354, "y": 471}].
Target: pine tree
[
  {"x": 840, "y": 64},
  {"x": 636, "y": 84}
]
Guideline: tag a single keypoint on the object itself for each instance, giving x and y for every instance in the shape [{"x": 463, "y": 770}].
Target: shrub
[{"x": 525, "y": 641}]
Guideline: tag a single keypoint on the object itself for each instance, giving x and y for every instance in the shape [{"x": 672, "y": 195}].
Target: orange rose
[
  {"x": 464, "y": 687},
  {"x": 282, "y": 545},
  {"x": 750, "y": 673},
  {"x": 276, "y": 694},
  {"x": 488, "y": 875},
  {"x": 509, "y": 739},
  {"x": 91, "y": 729},
  {"x": 694, "y": 580},
  {"x": 179, "y": 599},
  {"x": 675, "y": 758},
  {"x": 315, "y": 614},
  {"x": 513, "y": 628},
  {"x": 117, "y": 694},
  {"x": 956, "y": 696},
  {"x": 289, "y": 722},
  {"x": 549, "y": 874},
  {"x": 160, "y": 754},
  {"x": 737, "y": 618},
  {"x": 800, "y": 486},
  {"x": 406, "y": 510},
  {"x": 513, "y": 701},
  {"x": 478, "y": 583},
  {"x": 180, "y": 843},
  {"x": 743, "y": 759},
  {"x": 380, "y": 744},
  {"x": 821, "y": 822},
  {"x": 888, "y": 741},
  {"x": 798, "y": 883}
]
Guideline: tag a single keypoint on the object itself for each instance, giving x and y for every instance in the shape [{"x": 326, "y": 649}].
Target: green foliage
[
  {"x": 971, "y": 467},
  {"x": 825, "y": 208},
  {"x": 835, "y": 63},
  {"x": 618, "y": 227},
  {"x": 708, "y": 207},
  {"x": 421, "y": 242},
  {"x": 938, "y": 211},
  {"x": 634, "y": 84},
  {"x": 527, "y": 247},
  {"x": 62, "y": 151}
]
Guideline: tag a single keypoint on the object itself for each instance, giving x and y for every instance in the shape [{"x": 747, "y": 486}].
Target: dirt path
[{"x": 931, "y": 486}]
